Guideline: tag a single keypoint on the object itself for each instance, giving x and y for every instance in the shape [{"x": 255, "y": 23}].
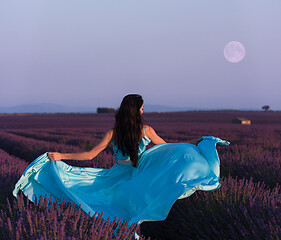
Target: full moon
[{"x": 234, "y": 52}]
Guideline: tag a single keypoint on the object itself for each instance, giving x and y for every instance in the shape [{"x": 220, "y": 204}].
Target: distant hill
[
  {"x": 46, "y": 108},
  {"x": 56, "y": 108},
  {"x": 160, "y": 108}
]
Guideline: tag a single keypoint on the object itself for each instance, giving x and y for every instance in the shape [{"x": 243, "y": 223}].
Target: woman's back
[{"x": 125, "y": 159}]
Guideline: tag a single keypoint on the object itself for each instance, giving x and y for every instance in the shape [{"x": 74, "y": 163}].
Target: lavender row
[
  {"x": 240, "y": 209},
  {"x": 29, "y": 149},
  {"x": 42, "y": 121},
  {"x": 252, "y": 162},
  {"x": 84, "y": 139},
  {"x": 46, "y": 220},
  {"x": 11, "y": 169}
]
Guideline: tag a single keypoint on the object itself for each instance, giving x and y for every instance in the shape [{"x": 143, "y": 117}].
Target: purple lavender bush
[
  {"x": 240, "y": 209},
  {"x": 46, "y": 220},
  {"x": 11, "y": 169},
  {"x": 22, "y": 219}
]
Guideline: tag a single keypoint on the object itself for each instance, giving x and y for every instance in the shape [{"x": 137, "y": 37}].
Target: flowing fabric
[{"x": 165, "y": 173}]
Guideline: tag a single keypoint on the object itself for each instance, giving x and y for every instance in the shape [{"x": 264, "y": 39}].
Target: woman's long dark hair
[{"x": 128, "y": 128}]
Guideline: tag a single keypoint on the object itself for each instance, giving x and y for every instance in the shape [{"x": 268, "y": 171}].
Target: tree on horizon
[
  {"x": 105, "y": 110},
  {"x": 266, "y": 107}
]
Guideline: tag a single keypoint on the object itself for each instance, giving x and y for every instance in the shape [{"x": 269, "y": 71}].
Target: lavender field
[{"x": 247, "y": 206}]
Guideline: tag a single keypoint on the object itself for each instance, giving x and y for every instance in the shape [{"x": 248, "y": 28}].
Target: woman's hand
[{"x": 55, "y": 156}]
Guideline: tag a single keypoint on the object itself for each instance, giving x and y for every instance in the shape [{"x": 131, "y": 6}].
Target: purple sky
[{"x": 92, "y": 53}]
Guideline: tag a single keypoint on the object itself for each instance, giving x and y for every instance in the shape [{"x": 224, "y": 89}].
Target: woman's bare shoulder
[
  {"x": 151, "y": 134},
  {"x": 147, "y": 128}
]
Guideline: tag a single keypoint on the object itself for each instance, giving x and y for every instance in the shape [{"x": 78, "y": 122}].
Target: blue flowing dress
[{"x": 165, "y": 173}]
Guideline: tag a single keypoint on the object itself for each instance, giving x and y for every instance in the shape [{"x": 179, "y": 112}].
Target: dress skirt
[{"x": 165, "y": 173}]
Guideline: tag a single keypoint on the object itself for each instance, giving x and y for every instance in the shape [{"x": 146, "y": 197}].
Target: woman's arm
[
  {"x": 56, "y": 156},
  {"x": 152, "y": 135}
]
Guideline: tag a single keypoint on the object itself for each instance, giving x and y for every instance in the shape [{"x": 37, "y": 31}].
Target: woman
[
  {"x": 142, "y": 185},
  {"x": 127, "y": 133}
]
